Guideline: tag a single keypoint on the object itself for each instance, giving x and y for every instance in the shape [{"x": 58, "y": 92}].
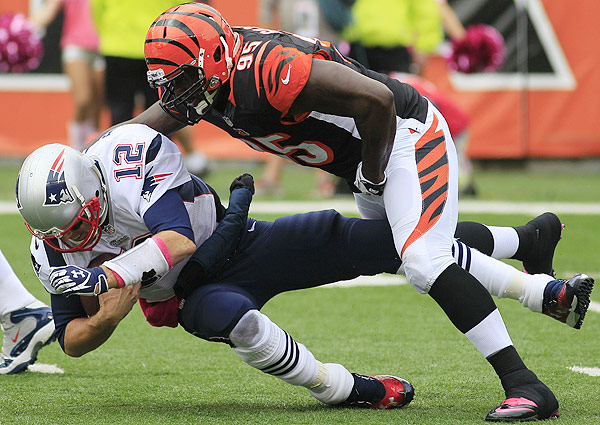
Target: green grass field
[{"x": 146, "y": 375}]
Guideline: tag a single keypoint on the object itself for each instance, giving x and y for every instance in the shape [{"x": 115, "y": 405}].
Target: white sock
[
  {"x": 333, "y": 384},
  {"x": 502, "y": 280},
  {"x": 265, "y": 346},
  {"x": 13, "y": 294},
  {"x": 506, "y": 241},
  {"x": 490, "y": 335}
]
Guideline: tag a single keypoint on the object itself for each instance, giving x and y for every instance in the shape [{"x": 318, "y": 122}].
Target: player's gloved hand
[
  {"x": 71, "y": 280},
  {"x": 367, "y": 186},
  {"x": 245, "y": 180},
  {"x": 192, "y": 276}
]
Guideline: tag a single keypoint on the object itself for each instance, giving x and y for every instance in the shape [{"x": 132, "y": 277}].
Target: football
[
  {"x": 96, "y": 261},
  {"x": 91, "y": 304}
]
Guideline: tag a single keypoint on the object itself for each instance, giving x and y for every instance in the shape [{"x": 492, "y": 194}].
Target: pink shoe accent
[{"x": 517, "y": 401}]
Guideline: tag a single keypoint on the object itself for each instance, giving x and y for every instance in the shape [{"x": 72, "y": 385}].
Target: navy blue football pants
[{"x": 294, "y": 252}]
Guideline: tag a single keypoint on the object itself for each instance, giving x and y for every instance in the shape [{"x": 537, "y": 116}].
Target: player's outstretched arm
[
  {"x": 83, "y": 335},
  {"x": 216, "y": 250},
  {"x": 333, "y": 88},
  {"x": 156, "y": 118}
]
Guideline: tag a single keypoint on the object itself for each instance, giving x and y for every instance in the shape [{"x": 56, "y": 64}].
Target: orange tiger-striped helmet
[{"x": 189, "y": 52}]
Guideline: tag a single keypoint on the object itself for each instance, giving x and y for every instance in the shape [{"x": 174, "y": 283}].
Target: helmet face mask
[
  {"x": 189, "y": 51},
  {"x": 187, "y": 95},
  {"x": 90, "y": 214},
  {"x": 61, "y": 196}
]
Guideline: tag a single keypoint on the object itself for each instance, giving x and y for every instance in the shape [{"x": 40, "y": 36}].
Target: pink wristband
[
  {"x": 120, "y": 281},
  {"x": 164, "y": 250}
]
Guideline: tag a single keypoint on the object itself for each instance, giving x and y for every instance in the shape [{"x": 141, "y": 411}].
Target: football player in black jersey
[{"x": 299, "y": 98}]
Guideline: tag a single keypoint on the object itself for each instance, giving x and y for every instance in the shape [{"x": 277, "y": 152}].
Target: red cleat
[{"x": 398, "y": 392}]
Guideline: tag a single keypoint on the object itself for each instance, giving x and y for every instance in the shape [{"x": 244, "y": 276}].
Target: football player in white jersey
[{"x": 130, "y": 196}]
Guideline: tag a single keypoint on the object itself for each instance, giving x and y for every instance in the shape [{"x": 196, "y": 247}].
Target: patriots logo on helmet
[
  {"x": 56, "y": 188},
  {"x": 150, "y": 184}
]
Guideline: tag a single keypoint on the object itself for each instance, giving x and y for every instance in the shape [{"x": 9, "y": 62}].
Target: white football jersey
[{"x": 139, "y": 165}]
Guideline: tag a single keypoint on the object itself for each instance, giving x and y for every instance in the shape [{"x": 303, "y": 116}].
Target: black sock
[
  {"x": 475, "y": 235},
  {"x": 506, "y": 361},
  {"x": 526, "y": 240},
  {"x": 464, "y": 300},
  {"x": 516, "y": 379}
]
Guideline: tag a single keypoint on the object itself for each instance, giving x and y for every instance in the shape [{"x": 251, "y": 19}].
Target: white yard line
[
  {"x": 378, "y": 280},
  {"x": 347, "y": 206},
  {"x": 594, "y": 306},
  {"x": 44, "y": 368},
  {"x": 592, "y": 371}
]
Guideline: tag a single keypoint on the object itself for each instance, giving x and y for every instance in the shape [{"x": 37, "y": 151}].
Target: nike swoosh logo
[
  {"x": 17, "y": 336},
  {"x": 287, "y": 78},
  {"x": 251, "y": 229}
]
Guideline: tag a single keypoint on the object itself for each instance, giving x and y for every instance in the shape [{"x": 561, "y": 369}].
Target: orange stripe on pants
[{"x": 432, "y": 166}]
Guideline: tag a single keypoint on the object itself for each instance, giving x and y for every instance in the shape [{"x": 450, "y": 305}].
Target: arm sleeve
[
  {"x": 169, "y": 213},
  {"x": 215, "y": 251},
  {"x": 65, "y": 309},
  {"x": 285, "y": 72}
]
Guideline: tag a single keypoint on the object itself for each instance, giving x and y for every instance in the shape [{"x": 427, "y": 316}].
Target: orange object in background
[
  {"x": 534, "y": 115},
  {"x": 31, "y": 117},
  {"x": 555, "y": 117}
]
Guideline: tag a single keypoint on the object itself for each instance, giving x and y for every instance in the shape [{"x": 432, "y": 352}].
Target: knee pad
[
  {"x": 249, "y": 329},
  {"x": 212, "y": 312},
  {"x": 422, "y": 265}
]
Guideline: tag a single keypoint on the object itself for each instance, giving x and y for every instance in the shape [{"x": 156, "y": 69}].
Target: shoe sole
[
  {"x": 554, "y": 415},
  {"x": 582, "y": 295},
  {"x": 44, "y": 336}
]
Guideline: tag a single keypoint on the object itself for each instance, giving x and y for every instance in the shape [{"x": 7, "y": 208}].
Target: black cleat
[
  {"x": 527, "y": 399},
  {"x": 545, "y": 232}
]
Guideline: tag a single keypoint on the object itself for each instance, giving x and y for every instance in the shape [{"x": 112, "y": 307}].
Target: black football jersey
[{"x": 270, "y": 71}]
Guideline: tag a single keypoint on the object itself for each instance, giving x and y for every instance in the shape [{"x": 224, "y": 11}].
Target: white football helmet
[{"x": 58, "y": 188}]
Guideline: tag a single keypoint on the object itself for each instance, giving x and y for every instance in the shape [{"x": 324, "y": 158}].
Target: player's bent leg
[
  {"x": 566, "y": 300},
  {"x": 455, "y": 292},
  {"x": 222, "y": 314},
  {"x": 501, "y": 279},
  {"x": 213, "y": 310},
  {"x": 263, "y": 345},
  {"x": 533, "y": 243}
]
